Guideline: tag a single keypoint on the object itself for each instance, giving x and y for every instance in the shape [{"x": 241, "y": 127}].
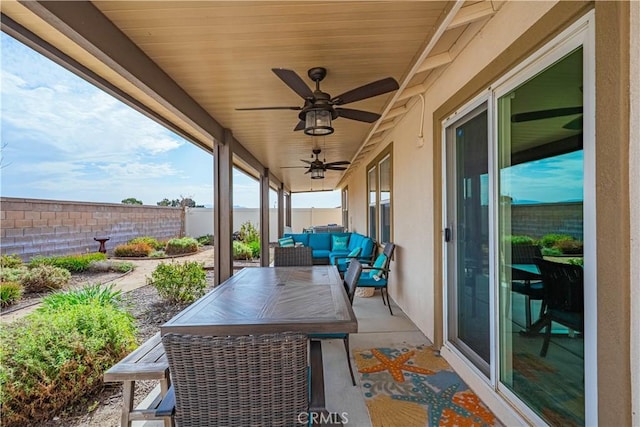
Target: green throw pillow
[
  {"x": 286, "y": 242},
  {"x": 339, "y": 243}
]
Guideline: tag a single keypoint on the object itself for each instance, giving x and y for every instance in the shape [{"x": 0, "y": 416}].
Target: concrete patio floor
[{"x": 376, "y": 328}]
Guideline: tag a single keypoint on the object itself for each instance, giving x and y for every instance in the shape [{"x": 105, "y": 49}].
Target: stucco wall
[
  {"x": 31, "y": 227},
  {"x": 414, "y": 189}
]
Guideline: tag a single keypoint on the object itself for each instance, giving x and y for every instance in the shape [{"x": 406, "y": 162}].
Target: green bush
[
  {"x": 10, "y": 261},
  {"x": 255, "y": 249},
  {"x": 569, "y": 246},
  {"x": 110, "y": 266},
  {"x": 44, "y": 278},
  {"x": 87, "y": 295},
  {"x": 521, "y": 240},
  {"x": 52, "y": 358},
  {"x": 241, "y": 250},
  {"x": 12, "y": 274},
  {"x": 151, "y": 241},
  {"x": 138, "y": 250},
  {"x": 157, "y": 254},
  {"x": 248, "y": 233},
  {"x": 185, "y": 245},
  {"x": 550, "y": 240},
  {"x": 10, "y": 292},
  {"x": 179, "y": 283},
  {"x": 576, "y": 261},
  {"x": 72, "y": 263},
  {"x": 551, "y": 252},
  {"x": 206, "y": 239}
]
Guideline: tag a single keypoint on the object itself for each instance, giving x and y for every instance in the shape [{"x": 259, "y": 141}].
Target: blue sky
[{"x": 65, "y": 139}]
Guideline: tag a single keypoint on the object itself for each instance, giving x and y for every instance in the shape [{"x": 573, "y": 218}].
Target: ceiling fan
[
  {"x": 317, "y": 167},
  {"x": 319, "y": 104}
]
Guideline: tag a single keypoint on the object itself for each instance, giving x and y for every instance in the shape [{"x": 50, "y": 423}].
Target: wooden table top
[{"x": 268, "y": 300}]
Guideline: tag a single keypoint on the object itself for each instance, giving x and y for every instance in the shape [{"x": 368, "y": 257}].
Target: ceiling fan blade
[
  {"x": 293, "y": 80},
  {"x": 335, "y": 168},
  {"x": 341, "y": 162},
  {"x": 308, "y": 170},
  {"x": 293, "y": 167},
  {"x": 545, "y": 114},
  {"x": 269, "y": 108},
  {"x": 299, "y": 126},
  {"x": 361, "y": 116},
  {"x": 306, "y": 161},
  {"x": 367, "y": 91},
  {"x": 575, "y": 124}
]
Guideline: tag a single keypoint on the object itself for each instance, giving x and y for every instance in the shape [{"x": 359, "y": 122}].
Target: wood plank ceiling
[{"x": 221, "y": 55}]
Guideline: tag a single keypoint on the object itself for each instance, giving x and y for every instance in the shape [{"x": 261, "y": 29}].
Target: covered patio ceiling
[{"x": 189, "y": 65}]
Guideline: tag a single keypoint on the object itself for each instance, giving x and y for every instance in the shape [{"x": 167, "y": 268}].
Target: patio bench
[{"x": 147, "y": 362}]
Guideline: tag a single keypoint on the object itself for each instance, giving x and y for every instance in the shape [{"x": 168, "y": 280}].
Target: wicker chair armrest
[{"x": 167, "y": 406}]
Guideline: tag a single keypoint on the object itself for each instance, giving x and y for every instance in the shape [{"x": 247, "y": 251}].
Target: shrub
[
  {"x": 179, "y": 283},
  {"x": 206, "y": 239},
  {"x": 151, "y": 241},
  {"x": 241, "y": 250},
  {"x": 184, "y": 245},
  {"x": 248, "y": 233},
  {"x": 576, "y": 261},
  {"x": 12, "y": 274},
  {"x": 89, "y": 294},
  {"x": 10, "y": 261},
  {"x": 521, "y": 240},
  {"x": 52, "y": 358},
  {"x": 133, "y": 250},
  {"x": 10, "y": 292},
  {"x": 157, "y": 254},
  {"x": 551, "y": 252},
  {"x": 45, "y": 277},
  {"x": 569, "y": 246},
  {"x": 549, "y": 240},
  {"x": 255, "y": 249},
  {"x": 72, "y": 263},
  {"x": 111, "y": 266}
]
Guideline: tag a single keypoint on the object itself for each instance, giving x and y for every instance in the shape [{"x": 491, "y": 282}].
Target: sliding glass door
[{"x": 468, "y": 292}]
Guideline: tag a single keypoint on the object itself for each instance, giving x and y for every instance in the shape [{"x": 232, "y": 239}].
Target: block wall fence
[{"x": 30, "y": 227}]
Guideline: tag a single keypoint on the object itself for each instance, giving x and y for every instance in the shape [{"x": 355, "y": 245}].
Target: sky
[{"x": 65, "y": 139}]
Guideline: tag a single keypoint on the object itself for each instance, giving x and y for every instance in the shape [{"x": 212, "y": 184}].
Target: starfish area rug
[{"x": 411, "y": 386}]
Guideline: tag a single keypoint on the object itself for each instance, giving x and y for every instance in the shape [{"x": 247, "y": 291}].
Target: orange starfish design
[{"x": 395, "y": 366}]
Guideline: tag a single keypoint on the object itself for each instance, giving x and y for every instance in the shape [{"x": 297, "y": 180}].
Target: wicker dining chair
[
  {"x": 350, "y": 283},
  {"x": 292, "y": 256},
  {"x": 238, "y": 380}
]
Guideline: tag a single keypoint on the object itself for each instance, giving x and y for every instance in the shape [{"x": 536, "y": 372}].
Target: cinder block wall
[
  {"x": 540, "y": 219},
  {"x": 31, "y": 227}
]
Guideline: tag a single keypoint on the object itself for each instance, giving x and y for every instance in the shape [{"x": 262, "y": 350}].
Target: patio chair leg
[
  {"x": 346, "y": 347},
  {"x": 388, "y": 302},
  {"x": 382, "y": 296},
  {"x": 547, "y": 339}
]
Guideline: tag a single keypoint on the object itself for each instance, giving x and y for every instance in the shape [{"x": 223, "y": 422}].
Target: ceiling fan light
[
  {"x": 317, "y": 174},
  {"x": 318, "y": 122}
]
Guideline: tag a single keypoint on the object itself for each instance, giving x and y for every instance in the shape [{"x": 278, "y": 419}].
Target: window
[{"x": 379, "y": 188}]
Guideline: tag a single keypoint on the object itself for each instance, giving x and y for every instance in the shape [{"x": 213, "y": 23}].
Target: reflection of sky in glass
[{"x": 555, "y": 179}]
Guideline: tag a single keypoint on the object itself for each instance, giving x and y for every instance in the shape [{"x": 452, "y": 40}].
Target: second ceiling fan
[
  {"x": 318, "y": 103},
  {"x": 317, "y": 167}
]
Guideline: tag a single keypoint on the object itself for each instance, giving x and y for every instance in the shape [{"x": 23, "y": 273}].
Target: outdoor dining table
[{"x": 269, "y": 300}]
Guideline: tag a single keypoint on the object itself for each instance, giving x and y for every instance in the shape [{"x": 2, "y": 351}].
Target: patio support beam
[
  {"x": 86, "y": 26},
  {"x": 281, "y": 209},
  {"x": 223, "y": 208},
  {"x": 287, "y": 219},
  {"x": 264, "y": 218},
  {"x": 434, "y": 61}
]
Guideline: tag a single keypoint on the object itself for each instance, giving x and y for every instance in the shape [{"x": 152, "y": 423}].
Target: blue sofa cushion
[
  {"x": 367, "y": 246},
  {"x": 320, "y": 253},
  {"x": 339, "y": 243},
  {"x": 337, "y": 254},
  {"x": 320, "y": 241},
  {"x": 355, "y": 241}
]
